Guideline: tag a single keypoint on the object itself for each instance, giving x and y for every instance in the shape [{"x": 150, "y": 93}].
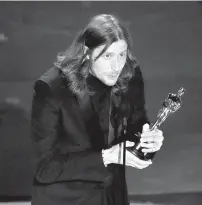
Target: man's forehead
[{"x": 116, "y": 46}]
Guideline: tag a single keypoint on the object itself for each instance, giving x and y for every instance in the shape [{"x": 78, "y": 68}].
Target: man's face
[{"x": 109, "y": 65}]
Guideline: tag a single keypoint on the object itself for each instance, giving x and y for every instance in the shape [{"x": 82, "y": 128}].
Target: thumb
[{"x": 145, "y": 127}]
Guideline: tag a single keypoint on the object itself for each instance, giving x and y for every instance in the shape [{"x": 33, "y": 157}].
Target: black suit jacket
[{"x": 66, "y": 133}]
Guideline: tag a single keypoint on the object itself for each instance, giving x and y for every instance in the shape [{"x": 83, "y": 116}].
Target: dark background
[{"x": 167, "y": 40}]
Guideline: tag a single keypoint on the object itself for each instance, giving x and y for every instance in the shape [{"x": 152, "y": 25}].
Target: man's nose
[{"x": 115, "y": 65}]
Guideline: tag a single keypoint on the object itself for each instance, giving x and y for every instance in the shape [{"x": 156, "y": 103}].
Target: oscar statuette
[{"x": 170, "y": 105}]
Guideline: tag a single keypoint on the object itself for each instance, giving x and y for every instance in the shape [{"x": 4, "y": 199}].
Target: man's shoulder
[{"x": 53, "y": 77}]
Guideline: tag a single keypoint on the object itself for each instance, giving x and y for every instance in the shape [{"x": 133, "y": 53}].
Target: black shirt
[{"x": 103, "y": 102}]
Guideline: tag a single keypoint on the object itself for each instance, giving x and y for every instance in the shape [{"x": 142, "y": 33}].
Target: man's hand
[
  {"x": 151, "y": 140},
  {"x": 115, "y": 155}
]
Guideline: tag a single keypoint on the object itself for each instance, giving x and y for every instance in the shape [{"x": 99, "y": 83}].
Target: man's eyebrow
[{"x": 125, "y": 50}]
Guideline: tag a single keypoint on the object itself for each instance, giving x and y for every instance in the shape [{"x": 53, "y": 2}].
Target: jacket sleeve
[
  {"x": 51, "y": 165},
  {"x": 136, "y": 98}
]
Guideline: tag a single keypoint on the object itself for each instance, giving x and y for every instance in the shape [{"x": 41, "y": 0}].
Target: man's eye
[
  {"x": 107, "y": 56},
  {"x": 122, "y": 54}
]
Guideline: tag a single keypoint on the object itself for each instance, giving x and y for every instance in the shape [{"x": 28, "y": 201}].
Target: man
[{"x": 76, "y": 121}]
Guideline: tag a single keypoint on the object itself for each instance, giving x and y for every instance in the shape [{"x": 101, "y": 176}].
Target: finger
[
  {"x": 145, "y": 127},
  {"x": 129, "y": 144},
  {"x": 132, "y": 160},
  {"x": 152, "y": 138},
  {"x": 148, "y": 145},
  {"x": 141, "y": 166},
  {"x": 149, "y": 134},
  {"x": 158, "y": 132},
  {"x": 159, "y": 139},
  {"x": 150, "y": 150},
  {"x": 155, "y": 145},
  {"x": 138, "y": 162},
  {"x": 152, "y": 132}
]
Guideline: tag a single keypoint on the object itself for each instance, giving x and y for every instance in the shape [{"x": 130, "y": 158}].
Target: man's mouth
[{"x": 113, "y": 76}]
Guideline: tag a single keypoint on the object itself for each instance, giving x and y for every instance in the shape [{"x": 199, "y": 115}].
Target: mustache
[{"x": 113, "y": 74}]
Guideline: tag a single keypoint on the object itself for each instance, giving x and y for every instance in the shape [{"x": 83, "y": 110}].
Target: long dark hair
[{"x": 103, "y": 29}]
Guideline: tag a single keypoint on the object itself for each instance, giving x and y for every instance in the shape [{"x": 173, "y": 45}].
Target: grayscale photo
[{"x": 100, "y": 102}]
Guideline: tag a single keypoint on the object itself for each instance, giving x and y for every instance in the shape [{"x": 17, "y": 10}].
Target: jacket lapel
[{"x": 91, "y": 122}]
